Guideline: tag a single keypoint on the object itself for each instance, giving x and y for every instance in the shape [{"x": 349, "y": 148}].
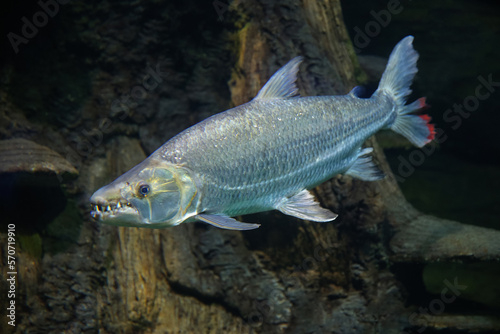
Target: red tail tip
[
  {"x": 423, "y": 104},
  {"x": 427, "y": 119}
]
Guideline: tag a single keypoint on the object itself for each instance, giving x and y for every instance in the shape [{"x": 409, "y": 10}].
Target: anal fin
[
  {"x": 304, "y": 206},
  {"x": 225, "y": 222},
  {"x": 364, "y": 168}
]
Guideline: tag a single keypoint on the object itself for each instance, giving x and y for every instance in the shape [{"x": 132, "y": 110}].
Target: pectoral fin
[
  {"x": 225, "y": 222},
  {"x": 304, "y": 206}
]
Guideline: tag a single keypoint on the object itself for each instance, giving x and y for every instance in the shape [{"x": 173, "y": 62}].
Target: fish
[{"x": 267, "y": 154}]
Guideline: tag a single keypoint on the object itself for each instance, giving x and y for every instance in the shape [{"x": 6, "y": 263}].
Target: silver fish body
[
  {"x": 251, "y": 157},
  {"x": 266, "y": 154}
]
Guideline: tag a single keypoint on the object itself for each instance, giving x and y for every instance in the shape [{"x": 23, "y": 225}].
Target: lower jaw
[{"x": 119, "y": 219}]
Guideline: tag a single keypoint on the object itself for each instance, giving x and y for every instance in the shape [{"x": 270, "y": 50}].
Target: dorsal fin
[
  {"x": 282, "y": 83},
  {"x": 357, "y": 91}
]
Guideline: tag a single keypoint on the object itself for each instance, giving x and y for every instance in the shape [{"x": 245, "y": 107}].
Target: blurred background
[{"x": 458, "y": 43}]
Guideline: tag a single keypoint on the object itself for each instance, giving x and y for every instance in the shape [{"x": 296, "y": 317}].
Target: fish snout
[
  {"x": 108, "y": 197},
  {"x": 108, "y": 201},
  {"x": 107, "y": 194}
]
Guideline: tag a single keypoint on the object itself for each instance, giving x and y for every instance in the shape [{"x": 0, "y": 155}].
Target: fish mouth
[
  {"x": 107, "y": 212},
  {"x": 102, "y": 210},
  {"x": 108, "y": 206}
]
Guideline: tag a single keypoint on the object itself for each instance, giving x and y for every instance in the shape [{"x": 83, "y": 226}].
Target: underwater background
[
  {"x": 89, "y": 89},
  {"x": 458, "y": 43}
]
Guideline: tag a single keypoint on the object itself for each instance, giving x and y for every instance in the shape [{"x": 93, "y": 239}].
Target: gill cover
[{"x": 163, "y": 195}]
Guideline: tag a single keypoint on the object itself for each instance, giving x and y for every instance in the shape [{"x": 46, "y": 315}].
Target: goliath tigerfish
[{"x": 266, "y": 154}]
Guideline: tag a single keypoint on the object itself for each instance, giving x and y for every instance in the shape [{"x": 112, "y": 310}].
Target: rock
[{"x": 22, "y": 155}]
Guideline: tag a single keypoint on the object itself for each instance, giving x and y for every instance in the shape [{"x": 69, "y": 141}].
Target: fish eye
[{"x": 143, "y": 189}]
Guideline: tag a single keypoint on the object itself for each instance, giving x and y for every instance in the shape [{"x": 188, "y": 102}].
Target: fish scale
[{"x": 297, "y": 144}]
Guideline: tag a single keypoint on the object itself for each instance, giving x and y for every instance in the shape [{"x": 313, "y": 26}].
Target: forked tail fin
[{"x": 395, "y": 82}]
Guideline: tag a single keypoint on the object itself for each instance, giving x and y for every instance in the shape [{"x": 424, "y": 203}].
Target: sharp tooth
[
  {"x": 118, "y": 205},
  {"x": 108, "y": 208},
  {"x": 97, "y": 208}
]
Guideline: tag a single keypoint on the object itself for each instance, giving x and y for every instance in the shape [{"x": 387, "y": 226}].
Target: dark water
[{"x": 459, "y": 46}]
